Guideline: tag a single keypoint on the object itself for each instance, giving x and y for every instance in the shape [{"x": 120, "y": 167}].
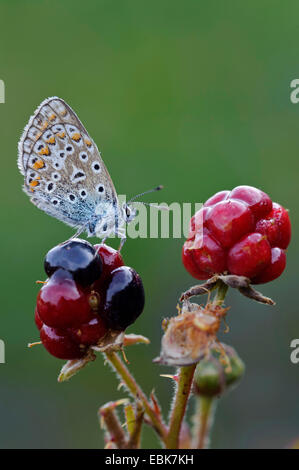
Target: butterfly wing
[{"x": 64, "y": 174}]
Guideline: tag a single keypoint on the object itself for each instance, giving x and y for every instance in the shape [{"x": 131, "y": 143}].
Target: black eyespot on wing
[{"x": 80, "y": 174}]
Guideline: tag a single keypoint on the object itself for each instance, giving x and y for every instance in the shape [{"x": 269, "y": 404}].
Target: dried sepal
[
  {"x": 244, "y": 286},
  {"x": 131, "y": 339},
  {"x": 242, "y": 283},
  {"x": 189, "y": 335},
  {"x": 200, "y": 289},
  {"x": 112, "y": 341},
  {"x": 115, "y": 341},
  {"x": 71, "y": 368}
]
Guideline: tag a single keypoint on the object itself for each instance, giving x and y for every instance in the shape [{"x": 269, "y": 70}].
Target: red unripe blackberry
[
  {"x": 89, "y": 333},
  {"x": 218, "y": 197},
  {"x": 250, "y": 256},
  {"x": 111, "y": 259},
  {"x": 61, "y": 303},
  {"x": 37, "y": 319},
  {"x": 205, "y": 252},
  {"x": 238, "y": 232},
  {"x": 58, "y": 343},
  {"x": 228, "y": 221},
  {"x": 274, "y": 269},
  {"x": 276, "y": 226},
  {"x": 258, "y": 202}
]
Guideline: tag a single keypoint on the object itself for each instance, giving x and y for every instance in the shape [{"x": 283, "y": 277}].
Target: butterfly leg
[
  {"x": 79, "y": 231},
  {"x": 122, "y": 234},
  {"x": 122, "y": 242}
]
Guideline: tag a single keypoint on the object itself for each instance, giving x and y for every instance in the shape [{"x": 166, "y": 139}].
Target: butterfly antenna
[
  {"x": 158, "y": 188},
  {"x": 160, "y": 208}
]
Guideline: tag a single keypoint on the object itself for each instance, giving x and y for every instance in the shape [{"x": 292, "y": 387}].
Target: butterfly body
[{"x": 64, "y": 174}]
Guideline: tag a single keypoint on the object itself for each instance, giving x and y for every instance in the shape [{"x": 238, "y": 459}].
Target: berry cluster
[
  {"x": 89, "y": 291},
  {"x": 238, "y": 232}
]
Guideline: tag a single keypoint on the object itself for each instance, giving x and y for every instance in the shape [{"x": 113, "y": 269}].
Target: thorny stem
[
  {"x": 203, "y": 420},
  {"x": 184, "y": 387},
  {"x": 113, "y": 425},
  {"x": 206, "y": 406},
  {"x": 136, "y": 391},
  {"x": 179, "y": 406}
]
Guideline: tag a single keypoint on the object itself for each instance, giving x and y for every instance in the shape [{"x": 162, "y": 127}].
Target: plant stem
[
  {"x": 184, "y": 387},
  {"x": 113, "y": 426},
  {"x": 203, "y": 420},
  {"x": 179, "y": 406},
  {"x": 137, "y": 392},
  {"x": 205, "y": 406},
  {"x": 134, "y": 441},
  {"x": 221, "y": 293}
]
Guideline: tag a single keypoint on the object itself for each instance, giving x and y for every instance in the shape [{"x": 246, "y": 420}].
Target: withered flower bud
[{"x": 190, "y": 334}]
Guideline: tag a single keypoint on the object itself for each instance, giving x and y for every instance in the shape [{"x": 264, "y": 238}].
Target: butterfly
[{"x": 65, "y": 176}]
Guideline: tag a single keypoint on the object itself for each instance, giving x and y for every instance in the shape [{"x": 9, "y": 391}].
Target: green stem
[
  {"x": 221, "y": 293},
  {"x": 203, "y": 420},
  {"x": 137, "y": 392},
  {"x": 179, "y": 406},
  {"x": 184, "y": 387},
  {"x": 205, "y": 406}
]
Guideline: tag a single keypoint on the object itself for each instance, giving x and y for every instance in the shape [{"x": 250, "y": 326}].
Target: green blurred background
[{"x": 194, "y": 95}]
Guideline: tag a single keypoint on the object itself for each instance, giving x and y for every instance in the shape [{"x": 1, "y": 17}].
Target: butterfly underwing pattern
[{"x": 64, "y": 174}]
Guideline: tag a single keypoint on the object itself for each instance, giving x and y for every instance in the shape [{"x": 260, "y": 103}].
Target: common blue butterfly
[{"x": 65, "y": 175}]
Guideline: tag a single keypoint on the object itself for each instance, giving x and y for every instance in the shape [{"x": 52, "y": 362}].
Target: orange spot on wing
[
  {"x": 61, "y": 135},
  {"x": 76, "y": 137},
  {"x": 45, "y": 125},
  {"x": 38, "y": 136},
  {"x": 51, "y": 140},
  {"x": 52, "y": 117},
  {"x": 63, "y": 113},
  {"x": 88, "y": 142},
  {"x": 39, "y": 164},
  {"x": 44, "y": 151},
  {"x": 33, "y": 184}
]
